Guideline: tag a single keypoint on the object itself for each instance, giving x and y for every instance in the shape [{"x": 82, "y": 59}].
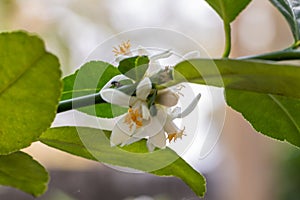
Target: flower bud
[{"x": 167, "y": 98}]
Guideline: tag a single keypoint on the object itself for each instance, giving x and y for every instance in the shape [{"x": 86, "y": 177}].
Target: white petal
[
  {"x": 190, "y": 108},
  {"x": 130, "y": 141},
  {"x": 145, "y": 111},
  {"x": 170, "y": 126},
  {"x": 128, "y": 129},
  {"x": 158, "y": 140},
  {"x": 156, "y": 124},
  {"x": 115, "y": 78},
  {"x": 150, "y": 146},
  {"x": 191, "y": 55},
  {"x": 164, "y": 54},
  {"x": 143, "y": 89},
  {"x": 154, "y": 68},
  {"x": 115, "y": 96},
  {"x": 167, "y": 98},
  {"x": 118, "y": 136},
  {"x": 122, "y": 57},
  {"x": 142, "y": 51},
  {"x": 175, "y": 113}
]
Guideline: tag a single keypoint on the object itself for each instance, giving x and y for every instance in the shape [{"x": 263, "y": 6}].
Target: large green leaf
[
  {"x": 134, "y": 67},
  {"x": 267, "y": 94},
  {"x": 19, "y": 170},
  {"x": 275, "y": 116},
  {"x": 291, "y": 11},
  {"x": 253, "y": 76},
  {"x": 228, "y": 10},
  {"x": 30, "y": 88},
  {"x": 94, "y": 144},
  {"x": 90, "y": 79}
]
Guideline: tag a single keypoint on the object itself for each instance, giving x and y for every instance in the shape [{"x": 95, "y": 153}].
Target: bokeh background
[{"x": 243, "y": 165}]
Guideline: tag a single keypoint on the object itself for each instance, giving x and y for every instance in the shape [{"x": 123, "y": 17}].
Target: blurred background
[{"x": 243, "y": 165}]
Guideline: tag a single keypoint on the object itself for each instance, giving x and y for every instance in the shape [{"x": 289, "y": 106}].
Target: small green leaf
[
  {"x": 291, "y": 11},
  {"x": 274, "y": 116},
  {"x": 252, "y": 76},
  {"x": 19, "y": 170},
  {"x": 30, "y": 88},
  {"x": 228, "y": 10},
  {"x": 94, "y": 144},
  {"x": 90, "y": 79},
  {"x": 134, "y": 67}
]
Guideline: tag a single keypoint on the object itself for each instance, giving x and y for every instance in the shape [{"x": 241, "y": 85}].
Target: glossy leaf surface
[
  {"x": 94, "y": 144},
  {"x": 30, "y": 88},
  {"x": 291, "y": 11},
  {"x": 228, "y": 10},
  {"x": 19, "y": 170}
]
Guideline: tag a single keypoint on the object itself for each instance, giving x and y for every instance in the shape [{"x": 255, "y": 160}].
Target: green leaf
[
  {"x": 90, "y": 79},
  {"x": 30, "y": 88},
  {"x": 19, "y": 170},
  {"x": 228, "y": 10},
  {"x": 94, "y": 144},
  {"x": 252, "y": 76},
  {"x": 267, "y": 94},
  {"x": 274, "y": 116},
  {"x": 134, "y": 67},
  {"x": 287, "y": 54},
  {"x": 291, "y": 11}
]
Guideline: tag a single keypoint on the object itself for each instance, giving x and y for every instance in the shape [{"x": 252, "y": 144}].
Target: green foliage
[
  {"x": 275, "y": 116},
  {"x": 90, "y": 79},
  {"x": 254, "y": 76},
  {"x": 30, "y": 88},
  {"x": 134, "y": 67},
  {"x": 289, "y": 176},
  {"x": 228, "y": 10},
  {"x": 19, "y": 170},
  {"x": 290, "y": 10},
  {"x": 265, "y": 93},
  {"x": 94, "y": 144}
]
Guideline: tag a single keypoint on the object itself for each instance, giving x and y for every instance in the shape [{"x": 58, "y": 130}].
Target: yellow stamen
[
  {"x": 134, "y": 116},
  {"x": 176, "y": 135},
  {"x": 122, "y": 49}
]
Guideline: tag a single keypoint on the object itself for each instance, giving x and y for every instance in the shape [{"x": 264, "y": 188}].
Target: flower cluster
[{"x": 150, "y": 111}]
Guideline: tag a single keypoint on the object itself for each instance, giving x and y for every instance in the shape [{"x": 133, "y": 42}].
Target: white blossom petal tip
[
  {"x": 189, "y": 109},
  {"x": 167, "y": 98},
  {"x": 191, "y": 55},
  {"x": 144, "y": 88},
  {"x": 164, "y": 54},
  {"x": 114, "y": 96},
  {"x": 118, "y": 137}
]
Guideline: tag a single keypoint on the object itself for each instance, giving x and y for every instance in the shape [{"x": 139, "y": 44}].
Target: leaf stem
[
  {"x": 296, "y": 45},
  {"x": 79, "y": 102},
  {"x": 287, "y": 54},
  {"x": 227, "y": 49}
]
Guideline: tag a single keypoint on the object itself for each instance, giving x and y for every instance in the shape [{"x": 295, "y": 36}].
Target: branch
[
  {"x": 288, "y": 54},
  {"x": 79, "y": 102}
]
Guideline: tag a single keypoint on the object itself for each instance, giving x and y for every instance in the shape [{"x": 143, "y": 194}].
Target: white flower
[
  {"x": 146, "y": 119},
  {"x": 138, "y": 112},
  {"x": 163, "y": 124},
  {"x": 138, "y": 123}
]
